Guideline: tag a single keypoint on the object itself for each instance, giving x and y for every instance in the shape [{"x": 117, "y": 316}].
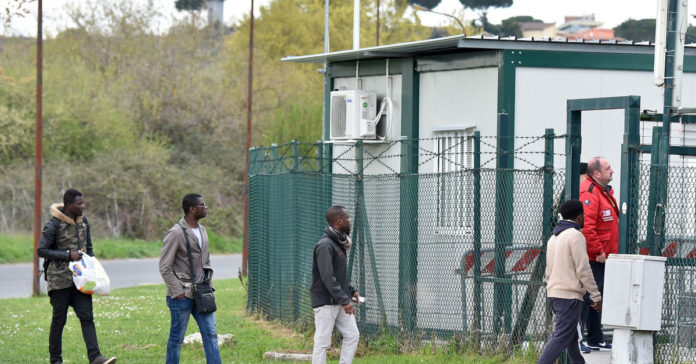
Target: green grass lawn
[
  {"x": 133, "y": 324},
  {"x": 20, "y": 248}
]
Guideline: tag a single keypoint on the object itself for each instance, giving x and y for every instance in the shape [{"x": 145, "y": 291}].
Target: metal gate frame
[{"x": 629, "y": 151}]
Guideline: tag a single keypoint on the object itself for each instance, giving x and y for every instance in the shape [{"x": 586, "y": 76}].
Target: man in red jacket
[{"x": 601, "y": 231}]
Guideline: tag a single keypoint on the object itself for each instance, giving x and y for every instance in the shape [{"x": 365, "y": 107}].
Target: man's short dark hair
[
  {"x": 583, "y": 168},
  {"x": 571, "y": 209},
  {"x": 69, "y": 196},
  {"x": 334, "y": 213},
  {"x": 189, "y": 201}
]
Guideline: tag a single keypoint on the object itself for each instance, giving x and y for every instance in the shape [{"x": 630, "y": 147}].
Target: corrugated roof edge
[{"x": 482, "y": 42}]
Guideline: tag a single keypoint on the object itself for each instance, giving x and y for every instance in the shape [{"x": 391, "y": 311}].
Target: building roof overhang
[{"x": 462, "y": 42}]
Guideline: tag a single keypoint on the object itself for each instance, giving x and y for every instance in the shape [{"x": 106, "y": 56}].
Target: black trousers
[
  {"x": 592, "y": 318},
  {"x": 565, "y": 336},
  {"x": 81, "y": 303}
]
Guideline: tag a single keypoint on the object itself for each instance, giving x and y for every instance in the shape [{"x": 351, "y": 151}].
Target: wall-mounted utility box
[{"x": 633, "y": 288}]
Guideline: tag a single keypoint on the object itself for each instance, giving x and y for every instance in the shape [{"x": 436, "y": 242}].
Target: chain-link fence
[
  {"x": 670, "y": 231},
  {"x": 445, "y": 243}
]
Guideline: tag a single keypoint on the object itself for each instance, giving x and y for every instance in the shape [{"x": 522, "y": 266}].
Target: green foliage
[
  {"x": 482, "y": 7},
  {"x": 16, "y": 248},
  {"x": 644, "y": 30},
  {"x": 638, "y": 30},
  {"x": 136, "y": 119},
  {"x": 485, "y": 4},
  {"x": 511, "y": 26},
  {"x": 20, "y": 248},
  {"x": 189, "y": 4}
]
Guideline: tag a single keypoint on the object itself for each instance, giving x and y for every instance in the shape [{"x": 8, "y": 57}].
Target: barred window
[{"x": 455, "y": 160}]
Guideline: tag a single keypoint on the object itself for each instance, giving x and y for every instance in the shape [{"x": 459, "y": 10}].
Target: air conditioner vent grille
[{"x": 338, "y": 116}]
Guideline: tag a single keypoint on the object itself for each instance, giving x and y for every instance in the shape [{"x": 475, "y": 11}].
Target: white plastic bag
[{"x": 90, "y": 277}]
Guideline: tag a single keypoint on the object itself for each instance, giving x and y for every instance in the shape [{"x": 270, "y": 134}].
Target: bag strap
[{"x": 190, "y": 257}]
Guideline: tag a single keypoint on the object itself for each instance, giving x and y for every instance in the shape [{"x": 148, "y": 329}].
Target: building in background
[
  {"x": 538, "y": 30},
  {"x": 216, "y": 9}
]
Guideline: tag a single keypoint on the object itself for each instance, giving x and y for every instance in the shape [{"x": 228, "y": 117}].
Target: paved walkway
[
  {"x": 15, "y": 279},
  {"x": 598, "y": 357}
]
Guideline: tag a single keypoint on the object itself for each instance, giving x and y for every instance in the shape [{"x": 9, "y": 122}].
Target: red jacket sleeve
[{"x": 594, "y": 246}]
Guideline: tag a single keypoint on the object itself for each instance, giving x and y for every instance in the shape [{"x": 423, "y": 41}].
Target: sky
[{"x": 610, "y": 12}]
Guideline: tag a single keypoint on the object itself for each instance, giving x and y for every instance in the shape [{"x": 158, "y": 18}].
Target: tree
[
  {"x": 428, "y": 4},
  {"x": 637, "y": 30},
  {"x": 189, "y": 5},
  {"x": 482, "y": 7},
  {"x": 511, "y": 26},
  {"x": 14, "y": 8}
]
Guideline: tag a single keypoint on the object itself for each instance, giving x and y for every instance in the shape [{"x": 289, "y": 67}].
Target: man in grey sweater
[{"x": 568, "y": 276}]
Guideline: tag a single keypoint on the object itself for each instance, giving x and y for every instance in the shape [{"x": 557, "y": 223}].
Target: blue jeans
[{"x": 180, "y": 310}]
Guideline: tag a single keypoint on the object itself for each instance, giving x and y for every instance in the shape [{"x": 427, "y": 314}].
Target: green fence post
[
  {"x": 477, "y": 240},
  {"x": 320, "y": 156},
  {"x": 296, "y": 241},
  {"x": 503, "y": 227},
  {"x": 530, "y": 297},
  {"x": 367, "y": 241},
  {"x": 629, "y": 169},
  {"x": 295, "y": 156},
  {"x": 573, "y": 147},
  {"x": 652, "y": 238},
  {"x": 408, "y": 237},
  {"x": 360, "y": 218}
]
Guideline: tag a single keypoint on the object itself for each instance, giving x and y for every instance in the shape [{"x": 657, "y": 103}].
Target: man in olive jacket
[
  {"x": 65, "y": 238},
  {"x": 176, "y": 272},
  {"x": 330, "y": 292}
]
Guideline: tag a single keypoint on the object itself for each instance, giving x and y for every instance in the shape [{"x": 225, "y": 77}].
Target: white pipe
[
  {"x": 356, "y": 24},
  {"x": 660, "y": 42},
  {"x": 679, "y": 38}
]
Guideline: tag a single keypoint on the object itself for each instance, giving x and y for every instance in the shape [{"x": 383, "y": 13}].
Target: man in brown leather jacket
[{"x": 176, "y": 271}]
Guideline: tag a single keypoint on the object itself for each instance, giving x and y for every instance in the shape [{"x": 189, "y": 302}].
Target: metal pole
[
  {"x": 377, "y": 22},
  {"x": 38, "y": 151},
  {"x": 478, "y": 311},
  {"x": 356, "y": 24},
  {"x": 245, "y": 251},
  {"x": 326, "y": 28}
]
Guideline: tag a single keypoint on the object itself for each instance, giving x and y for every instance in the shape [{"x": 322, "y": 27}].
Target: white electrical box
[
  {"x": 353, "y": 115},
  {"x": 633, "y": 289}
]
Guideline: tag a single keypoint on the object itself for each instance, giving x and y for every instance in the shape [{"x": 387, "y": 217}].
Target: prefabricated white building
[
  {"x": 453, "y": 86},
  {"x": 460, "y": 84}
]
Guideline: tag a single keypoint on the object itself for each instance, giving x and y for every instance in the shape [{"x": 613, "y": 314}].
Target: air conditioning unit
[{"x": 353, "y": 115}]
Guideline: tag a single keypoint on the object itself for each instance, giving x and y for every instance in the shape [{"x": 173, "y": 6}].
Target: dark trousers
[
  {"x": 565, "y": 336},
  {"x": 592, "y": 318},
  {"x": 81, "y": 303}
]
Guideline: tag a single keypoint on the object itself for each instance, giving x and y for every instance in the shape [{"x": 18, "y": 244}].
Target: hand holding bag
[{"x": 203, "y": 296}]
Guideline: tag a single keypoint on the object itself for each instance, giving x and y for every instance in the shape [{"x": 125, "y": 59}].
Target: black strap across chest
[{"x": 190, "y": 257}]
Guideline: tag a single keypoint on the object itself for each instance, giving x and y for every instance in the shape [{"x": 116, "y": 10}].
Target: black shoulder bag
[{"x": 203, "y": 295}]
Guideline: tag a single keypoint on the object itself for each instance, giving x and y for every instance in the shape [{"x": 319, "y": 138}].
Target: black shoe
[{"x": 102, "y": 360}]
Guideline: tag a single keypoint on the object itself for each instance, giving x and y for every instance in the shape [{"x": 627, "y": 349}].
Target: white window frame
[{"x": 455, "y": 152}]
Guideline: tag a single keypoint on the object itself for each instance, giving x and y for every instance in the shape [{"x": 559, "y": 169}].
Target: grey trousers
[
  {"x": 565, "y": 336},
  {"x": 324, "y": 319}
]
